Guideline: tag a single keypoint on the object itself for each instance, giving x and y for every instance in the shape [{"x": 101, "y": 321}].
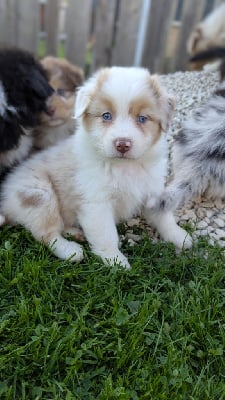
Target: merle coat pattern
[{"x": 199, "y": 154}]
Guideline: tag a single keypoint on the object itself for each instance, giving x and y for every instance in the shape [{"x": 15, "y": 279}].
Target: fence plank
[
  {"x": 161, "y": 14},
  {"x": 8, "y": 34},
  {"x": 103, "y": 33},
  {"x": 192, "y": 13},
  {"x": 52, "y": 23},
  {"x": 77, "y": 30},
  {"x": 27, "y": 23},
  {"x": 127, "y": 30},
  {"x": 19, "y": 24}
]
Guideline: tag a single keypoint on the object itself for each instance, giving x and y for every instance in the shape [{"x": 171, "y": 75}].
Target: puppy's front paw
[
  {"x": 64, "y": 249},
  {"x": 180, "y": 238},
  {"x": 114, "y": 259}
]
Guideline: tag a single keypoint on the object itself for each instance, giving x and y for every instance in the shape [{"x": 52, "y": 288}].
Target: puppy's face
[
  {"x": 64, "y": 77},
  {"x": 62, "y": 105},
  {"x": 124, "y": 110}
]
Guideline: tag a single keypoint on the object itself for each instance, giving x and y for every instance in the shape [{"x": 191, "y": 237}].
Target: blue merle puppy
[{"x": 198, "y": 159}]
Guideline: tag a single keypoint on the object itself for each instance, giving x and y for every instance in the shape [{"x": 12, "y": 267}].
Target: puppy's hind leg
[{"x": 39, "y": 212}]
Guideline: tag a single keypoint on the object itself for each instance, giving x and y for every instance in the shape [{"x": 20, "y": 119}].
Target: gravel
[{"x": 190, "y": 89}]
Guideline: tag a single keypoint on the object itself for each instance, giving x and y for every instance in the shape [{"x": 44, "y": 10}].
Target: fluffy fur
[
  {"x": 208, "y": 33},
  {"x": 65, "y": 78},
  {"x": 24, "y": 91},
  {"x": 199, "y": 154},
  {"x": 112, "y": 168}
]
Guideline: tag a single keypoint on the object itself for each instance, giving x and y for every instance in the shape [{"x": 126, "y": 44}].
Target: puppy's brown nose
[
  {"x": 123, "y": 145},
  {"x": 50, "y": 110}
]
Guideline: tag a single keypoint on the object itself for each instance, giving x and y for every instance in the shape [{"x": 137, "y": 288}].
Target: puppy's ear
[
  {"x": 193, "y": 40},
  {"x": 84, "y": 95},
  {"x": 168, "y": 107},
  {"x": 72, "y": 76},
  {"x": 165, "y": 102},
  {"x": 83, "y": 99},
  {"x": 86, "y": 92}
]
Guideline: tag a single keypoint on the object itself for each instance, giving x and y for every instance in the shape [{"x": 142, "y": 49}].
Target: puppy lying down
[{"x": 113, "y": 168}]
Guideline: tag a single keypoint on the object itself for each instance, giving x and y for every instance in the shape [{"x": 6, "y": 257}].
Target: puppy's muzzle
[{"x": 123, "y": 145}]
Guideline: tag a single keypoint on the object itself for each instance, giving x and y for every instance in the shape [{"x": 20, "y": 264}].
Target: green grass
[{"x": 88, "y": 332}]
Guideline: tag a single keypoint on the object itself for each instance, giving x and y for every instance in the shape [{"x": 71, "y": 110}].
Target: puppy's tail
[{"x": 175, "y": 196}]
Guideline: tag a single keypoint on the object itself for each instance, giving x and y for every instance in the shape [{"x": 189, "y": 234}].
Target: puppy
[
  {"x": 208, "y": 33},
  {"x": 24, "y": 91},
  {"x": 112, "y": 168},
  {"x": 199, "y": 154},
  {"x": 64, "y": 77}
]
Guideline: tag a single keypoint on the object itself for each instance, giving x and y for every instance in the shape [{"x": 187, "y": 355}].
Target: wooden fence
[{"x": 151, "y": 33}]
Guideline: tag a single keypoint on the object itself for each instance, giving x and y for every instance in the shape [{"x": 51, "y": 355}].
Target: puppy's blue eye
[
  {"x": 141, "y": 119},
  {"x": 107, "y": 116}
]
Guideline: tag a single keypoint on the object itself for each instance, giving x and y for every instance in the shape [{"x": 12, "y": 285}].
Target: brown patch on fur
[
  {"x": 63, "y": 106},
  {"x": 164, "y": 104},
  {"x": 155, "y": 86},
  {"x": 146, "y": 107},
  {"x": 64, "y": 77},
  {"x": 33, "y": 200},
  {"x": 100, "y": 105},
  {"x": 197, "y": 65},
  {"x": 68, "y": 75},
  {"x": 143, "y": 106}
]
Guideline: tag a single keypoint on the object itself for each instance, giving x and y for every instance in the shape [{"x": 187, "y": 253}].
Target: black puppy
[{"x": 24, "y": 90}]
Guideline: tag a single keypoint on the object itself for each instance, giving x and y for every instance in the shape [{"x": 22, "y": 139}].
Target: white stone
[
  {"x": 184, "y": 217},
  {"x": 202, "y": 225},
  {"x": 219, "y": 204},
  {"x": 131, "y": 242},
  {"x": 132, "y": 236},
  {"x": 209, "y": 213},
  {"x": 201, "y": 212},
  {"x": 221, "y": 243},
  {"x": 219, "y": 222},
  {"x": 220, "y": 233},
  {"x": 204, "y": 232},
  {"x": 133, "y": 221}
]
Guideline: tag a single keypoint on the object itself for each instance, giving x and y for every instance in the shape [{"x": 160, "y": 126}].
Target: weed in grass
[{"x": 85, "y": 331}]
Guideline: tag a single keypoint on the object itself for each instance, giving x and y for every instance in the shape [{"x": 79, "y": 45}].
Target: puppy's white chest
[{"x": 129, "y": 190}]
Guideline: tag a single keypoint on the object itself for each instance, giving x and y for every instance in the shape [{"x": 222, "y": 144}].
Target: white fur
[
  {"x": 3, "y": 103},
  {"x": 84, "y": 181},
  {"x": 10, "y": 157}
]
